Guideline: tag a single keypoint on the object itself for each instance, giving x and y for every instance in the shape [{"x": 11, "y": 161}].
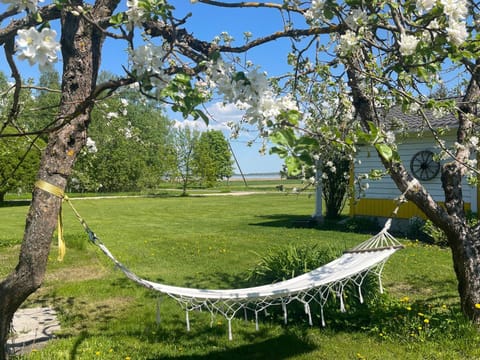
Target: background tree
[
  {"x": 19, "y": 156},
  {"x": 185, "y": 140},
  {"x": 213, "y": 158},
  {"x": 129, "y": 142},
  {"x": 46, "y": 94},
  {"x": 19, "y": 159}
]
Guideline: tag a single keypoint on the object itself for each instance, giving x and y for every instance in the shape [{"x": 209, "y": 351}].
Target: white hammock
[{"x": 314, "y": 286}]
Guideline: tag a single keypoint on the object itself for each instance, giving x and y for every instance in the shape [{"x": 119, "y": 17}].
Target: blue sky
[{"x": 205, "y": 23}]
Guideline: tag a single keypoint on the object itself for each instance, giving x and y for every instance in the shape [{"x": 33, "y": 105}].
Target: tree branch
[{"x": 253, "y": 4}]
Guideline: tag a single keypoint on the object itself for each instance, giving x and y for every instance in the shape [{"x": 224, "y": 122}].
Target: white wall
[{"x": 386, "y": 189}]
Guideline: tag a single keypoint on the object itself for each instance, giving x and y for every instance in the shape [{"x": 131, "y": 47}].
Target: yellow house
[{"x": 417, "y": 148}]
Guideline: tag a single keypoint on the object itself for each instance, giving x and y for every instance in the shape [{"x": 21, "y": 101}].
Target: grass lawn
[{"x": 212, "y": 242}]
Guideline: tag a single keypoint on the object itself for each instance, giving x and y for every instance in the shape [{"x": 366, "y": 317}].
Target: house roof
[
  {"x": 412, "y": 122},
  {"x": 396, "y": 119}
]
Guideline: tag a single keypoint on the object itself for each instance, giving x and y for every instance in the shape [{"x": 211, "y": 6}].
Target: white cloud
[
  {"x": 192, "y": 124},
  {"x": 219, "y": 117},
  {"x": 223, "y": 114}
]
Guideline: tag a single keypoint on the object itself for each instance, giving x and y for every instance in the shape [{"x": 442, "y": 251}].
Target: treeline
[{"x": 132, "y": 145}]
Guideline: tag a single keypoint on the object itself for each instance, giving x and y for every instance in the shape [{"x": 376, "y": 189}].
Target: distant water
[{"x": 258, "y": 176}]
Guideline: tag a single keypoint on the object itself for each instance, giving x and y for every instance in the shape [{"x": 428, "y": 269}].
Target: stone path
[{"x": 32, "y": 328}]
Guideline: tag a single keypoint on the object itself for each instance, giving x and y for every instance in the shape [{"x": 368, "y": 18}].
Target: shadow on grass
[
  {"x": 281, "y": 347},
  {"x": 285, "y": 220},
  {"x": 343, "y": 224},
  {"x": 224, "y": 280},
  {"x": 13, "y": 203}
]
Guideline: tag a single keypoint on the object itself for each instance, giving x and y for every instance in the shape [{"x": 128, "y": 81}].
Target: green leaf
[
  {"x": 293, "y": 166},
  {"x": 38, "y": 17},
  {"x": 183, "y": 79},
  {"x": 117, "y": 19},
  {"x": 293, "y": 117},
  {"x": 240, "y": 76},
  {"x": 385, "y": 151},
  {"x": 201, "y": 114},
  {"x": 281, "y": 152}
]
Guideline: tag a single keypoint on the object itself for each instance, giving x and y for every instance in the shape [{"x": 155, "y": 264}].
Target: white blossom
[
  {"x": 316, "y": 11},
  {"x": 148, "y": 60},
  {"x": 455, "y": 9},
  {"x": 30, "y": 5},
  {"x": 347, "y": 43},
  {"x": 134, "y": 86},
  {"x": 413, "y": 108},
  {"x": 425, "y": 5},
  {"x": 473, "y": 141},
  {"x": 408, "y": 44},
  {"x": 135, "y": 14},
  {"x": 249, "y": 91},
  {"x": 434, "y": 25},
  {"x": 128, "y": 133},
  {"x": 390, "y": 137},
  {"x": 439, "y": 113},
  {"x": 38, "y": 47},
  {"x": 365, "y": 186},
  {"x": 112, "y": 115},
  {"x": 91, "y": 146},
  {"x": 457, "y": 32}
]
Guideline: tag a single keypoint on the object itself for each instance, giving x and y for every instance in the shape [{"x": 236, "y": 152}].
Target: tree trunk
[
  {"x": 81, "y": 46},
  {"x": 465, "y": 245}
]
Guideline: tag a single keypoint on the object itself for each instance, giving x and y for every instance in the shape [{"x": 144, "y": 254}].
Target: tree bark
[{"x": 81, "y": 49}]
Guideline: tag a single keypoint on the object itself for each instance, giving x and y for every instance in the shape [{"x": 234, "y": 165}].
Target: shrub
[
  {"x": 285, "y": 263},
  {"x": 436, "y": 235},
  {"x": 361, "y": 224}
]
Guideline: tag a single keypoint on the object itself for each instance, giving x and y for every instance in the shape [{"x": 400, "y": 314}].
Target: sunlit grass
[{"x": 211, "y": 242}]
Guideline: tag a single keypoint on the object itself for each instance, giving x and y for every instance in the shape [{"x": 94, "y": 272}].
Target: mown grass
[{"x": 212, "y": 242}]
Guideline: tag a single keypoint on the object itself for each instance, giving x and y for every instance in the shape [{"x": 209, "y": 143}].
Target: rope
[{"x": 58, "y": 192}]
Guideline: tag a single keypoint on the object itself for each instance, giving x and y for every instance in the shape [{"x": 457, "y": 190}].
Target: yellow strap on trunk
[
  {"x": 56, "y": 191},
  {"x": 52, "y": 189}
]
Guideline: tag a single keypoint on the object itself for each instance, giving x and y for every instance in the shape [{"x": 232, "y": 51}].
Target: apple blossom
[
  {"x": 38, "y": 47},
  {"x": 30, "y": 5},
  {"x": 457, "y": 32},
  {"x": 408, "y": 44}
]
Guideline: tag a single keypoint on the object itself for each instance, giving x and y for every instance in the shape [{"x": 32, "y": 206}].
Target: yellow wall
[{"x": 384, "y": 208}]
